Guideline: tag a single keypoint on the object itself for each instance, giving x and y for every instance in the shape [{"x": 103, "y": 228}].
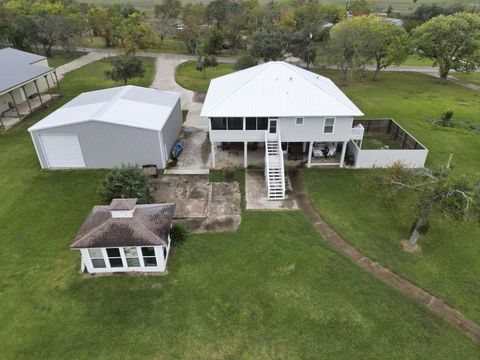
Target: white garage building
[{"x": 108, "y": 128}]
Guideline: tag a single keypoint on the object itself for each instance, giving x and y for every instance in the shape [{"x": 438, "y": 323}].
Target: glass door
[{"x": 272, "y": 125}]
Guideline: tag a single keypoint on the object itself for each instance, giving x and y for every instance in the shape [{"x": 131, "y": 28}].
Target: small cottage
[{"x": 125, "y": 237}]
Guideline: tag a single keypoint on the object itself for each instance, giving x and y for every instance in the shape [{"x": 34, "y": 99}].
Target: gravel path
[{"x": 79, "y": 62}]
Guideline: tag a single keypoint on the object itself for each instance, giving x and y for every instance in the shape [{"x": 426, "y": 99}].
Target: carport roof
[
  {"x": 18, "y": 67},
  {"x": 149, "y": 226},
  {"x": 129, "y": 105},
  {"x": 276, "y": 88}
]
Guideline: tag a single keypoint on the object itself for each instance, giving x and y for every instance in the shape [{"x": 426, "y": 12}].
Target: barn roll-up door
[{"x": 62, "y": 151}]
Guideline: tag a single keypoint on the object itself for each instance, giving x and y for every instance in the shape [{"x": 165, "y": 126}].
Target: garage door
[{"x": 62, "y": 151}]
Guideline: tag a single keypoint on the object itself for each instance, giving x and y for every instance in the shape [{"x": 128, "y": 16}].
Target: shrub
[
  {"x": 127, "y": 181},
  {"x": 447, "y": 116},
  {"x": 179, "y": 234},
  {"x": 245, "y": 61}
]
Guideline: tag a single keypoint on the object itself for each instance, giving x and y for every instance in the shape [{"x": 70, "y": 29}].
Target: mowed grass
[
  {"x": 470, "y": 77},
  {"x": 273, "y": 289},
  {"x": 187, "y": 75},
  {"x": 448, "y": 265}
]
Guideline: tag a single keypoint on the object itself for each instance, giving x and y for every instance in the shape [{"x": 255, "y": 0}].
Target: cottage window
[
  {"x": 114, "y": 257},
  {"x": 219, "y": 123},
  {"x": 251, "y": 123},
  {"x": 96, "y": 256},
  {"x": 299, "y": 121},
  {"x": 262, "y": 123},
  {"x": 149, "y": 257},
  {"x": 235, "y": 123},
  {"x": 131, "y": 255},
  {"x": 328, "y": 127}
]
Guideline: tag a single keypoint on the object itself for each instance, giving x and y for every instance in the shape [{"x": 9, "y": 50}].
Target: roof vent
[
  {"x": 291, "y": 78},
  {"x": 122, "y": 208}
]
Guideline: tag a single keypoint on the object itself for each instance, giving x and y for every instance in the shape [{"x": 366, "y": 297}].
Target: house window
[
  {"x": 299, "y": 121},
  {"x": 114, "y": 257},
  {"x": 131, "y": 255},
  {"x": 328, "y": 127},
  {"x": 149, "y": 257},
  {"x": 234, "y": 123},
  {"x": 262, "y": 123},
  {"x": 251, "y": 123},
  {"x": 219, "y": 123},
  {"x": 96, "y": 256}
]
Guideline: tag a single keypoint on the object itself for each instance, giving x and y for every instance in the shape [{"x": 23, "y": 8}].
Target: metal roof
[
  {"x": 276, "y": 88},
  {"x": 18, "y": 67},
  {"x": 125, "y": 105}
]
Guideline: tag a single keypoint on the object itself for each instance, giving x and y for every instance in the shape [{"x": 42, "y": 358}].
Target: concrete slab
[{"x": 256, "y": 193}]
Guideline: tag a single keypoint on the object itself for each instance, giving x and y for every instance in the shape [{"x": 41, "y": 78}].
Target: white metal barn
[{"x": 108, "y": 128}]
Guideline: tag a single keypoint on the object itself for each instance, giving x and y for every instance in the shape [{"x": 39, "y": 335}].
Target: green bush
[
  {"x": 245, "y": 61},
  {"x": 127, "y": 181},
  {"x": 179, "y": 234}
]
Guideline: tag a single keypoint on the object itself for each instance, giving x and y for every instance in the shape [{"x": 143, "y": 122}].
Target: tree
[
  {"x": 301, "y": 45},
  {"x": 165, "y": 17},
  {"x": 452, "y": 42},
  {"x": 135, "y": 34},
  {"x": 267, "y": 45},
  {"x": 192, "y": 36},
  {"x": 125, "y": 68},
  {"x": 245, "y": 61},
  {"x": 359, "y": 7},
  {"x": 213, "y": 42},
  {"x": 352, "y": 44},
  {"x": 204, "y": 62},
  {"x": 127, "y": 181},
  {"x": 392, "y": 45},
  {"x": 433, "y": 190}
]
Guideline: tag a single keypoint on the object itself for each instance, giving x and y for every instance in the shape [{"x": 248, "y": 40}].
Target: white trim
[
  {"x": 333, "y": 125},
  {"x": 40, "y": 158}
]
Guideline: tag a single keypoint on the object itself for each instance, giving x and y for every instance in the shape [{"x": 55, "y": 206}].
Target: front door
[{"x": 272, "y": 126}]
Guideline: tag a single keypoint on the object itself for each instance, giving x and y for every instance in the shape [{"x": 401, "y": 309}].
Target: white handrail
[
  {"x": 282, "y": 169},
  {"x": 267, "y": 165}
]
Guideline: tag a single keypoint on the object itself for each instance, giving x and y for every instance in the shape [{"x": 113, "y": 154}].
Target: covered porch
[
  {"x": 24, "y": 99},
  {"x": 252, "y": 154}
]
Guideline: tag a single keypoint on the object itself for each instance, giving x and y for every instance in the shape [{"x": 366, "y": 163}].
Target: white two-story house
[{"x": 283, "y": 110}]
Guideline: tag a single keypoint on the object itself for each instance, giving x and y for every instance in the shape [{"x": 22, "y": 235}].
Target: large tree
[
  {"x": 440, "y": 191},
  {"x": 452, "y": 42},
  {"x": 268, "y": 45},
  {"x": 125, "y": 68},
  {"x": 166, "y": 15}
]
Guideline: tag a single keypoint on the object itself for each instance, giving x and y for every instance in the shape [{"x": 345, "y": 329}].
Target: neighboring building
[
  {"x": 125, "y": 237},
  {"x": 108, "y": 128},
  {"x": 277, "y": 108},
  {"x": 23, "y": 79}
]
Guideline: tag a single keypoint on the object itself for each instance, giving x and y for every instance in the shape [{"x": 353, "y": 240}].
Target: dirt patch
[
  {"x": 412, "y": 249},
  {"x": 202, "y": 206}
]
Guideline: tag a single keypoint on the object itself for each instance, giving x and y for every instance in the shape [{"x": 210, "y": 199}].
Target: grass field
[
  {"x": 470, "y": 77},
  {"x": 261, "y": 292},
  {"x": 187, "y": 76}
]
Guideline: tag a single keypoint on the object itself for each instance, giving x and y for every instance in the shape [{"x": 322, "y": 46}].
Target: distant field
[{"x": 398, "y": 5}]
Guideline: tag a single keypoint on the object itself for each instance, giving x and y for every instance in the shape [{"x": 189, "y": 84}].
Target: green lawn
[
  {"x": 470, "y": 77},
  {"x": 187, "y": 76},
  {"x": 378, "y": 142},
  {"x": 58, "y": 57},
  {"x": 260, "y": 292},
  {"x": 448, "y": 264}
]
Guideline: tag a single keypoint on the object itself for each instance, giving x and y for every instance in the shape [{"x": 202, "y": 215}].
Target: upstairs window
[
  {"x": 251, "y": 123},
  {"x": 234, "y": 123},
  {"x": 262, "y": 123},
  {"x": 328, "y": 126},
  {"x": 299, "y": 121},
  {"x": 219, "y": 123}
]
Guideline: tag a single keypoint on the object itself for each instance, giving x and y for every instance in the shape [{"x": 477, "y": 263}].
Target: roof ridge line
[
  {"x": 110, "y": 103},
  {"x": 150, "y": 231},
  {"x": 265, "y": 65},
  {"x": 92, "y": 230},
  {"x": 292, "y": 67}
]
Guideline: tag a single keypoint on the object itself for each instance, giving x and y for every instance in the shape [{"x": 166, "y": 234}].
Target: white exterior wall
[
  {"x": 365, "y": 159},
  {"x": 159, "y": 253},
  {"x": 311, "y": 130}
]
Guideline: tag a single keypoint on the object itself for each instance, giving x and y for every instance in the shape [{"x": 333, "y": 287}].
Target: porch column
[
  {"x": 56, "y": 79},
  {"x": 26, "y": 96},
  {"x": 38, "y": 91},
  {"x": 14, "y": 102},
  {"x": 310, "y": 149},
  {"x": 342, "y": 157},
  {"x": 213, "y": 155},
  {"x": 245, "y": 151}
]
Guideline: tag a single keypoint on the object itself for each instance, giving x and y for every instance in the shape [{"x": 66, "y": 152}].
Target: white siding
[{"x": 384, "y": 158}]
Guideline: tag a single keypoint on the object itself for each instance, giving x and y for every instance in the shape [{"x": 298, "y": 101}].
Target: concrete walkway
[
  {"x": 435, "y": 305},
  {"x": 79, "y": 62}
]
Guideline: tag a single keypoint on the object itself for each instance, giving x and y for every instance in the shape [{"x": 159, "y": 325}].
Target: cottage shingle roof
[{"x": 149, "y": 226}]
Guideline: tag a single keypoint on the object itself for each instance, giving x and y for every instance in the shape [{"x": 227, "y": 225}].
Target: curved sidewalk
[{"x": 435, "y": 305}]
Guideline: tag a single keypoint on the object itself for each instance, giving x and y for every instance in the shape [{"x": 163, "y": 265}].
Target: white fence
[{"x": 382, "y": 158}]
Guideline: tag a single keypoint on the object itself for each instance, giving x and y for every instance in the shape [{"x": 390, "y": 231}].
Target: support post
[
  {"x": 310, "y": 149},
  {"x": 14, "y": 103},
  {"x": 26, "y": 96},
  {"x": 342, "y": 157},
  {"x": 38, "y": 91},
  {"x": 56, "y": 80},
  {"x": 245, "y": 151},
  {"x": 48, "y": 86},
  {"x": 213, "y": 154}
]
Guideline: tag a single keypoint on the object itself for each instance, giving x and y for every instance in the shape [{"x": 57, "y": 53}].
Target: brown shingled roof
[{"x": 149, "y": 226}]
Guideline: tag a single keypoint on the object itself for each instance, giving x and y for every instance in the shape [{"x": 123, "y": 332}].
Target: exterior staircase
[{"x": 274, "y": 167}]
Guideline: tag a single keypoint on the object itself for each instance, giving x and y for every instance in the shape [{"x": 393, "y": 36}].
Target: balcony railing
[{"x": 357, "y": 132}]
